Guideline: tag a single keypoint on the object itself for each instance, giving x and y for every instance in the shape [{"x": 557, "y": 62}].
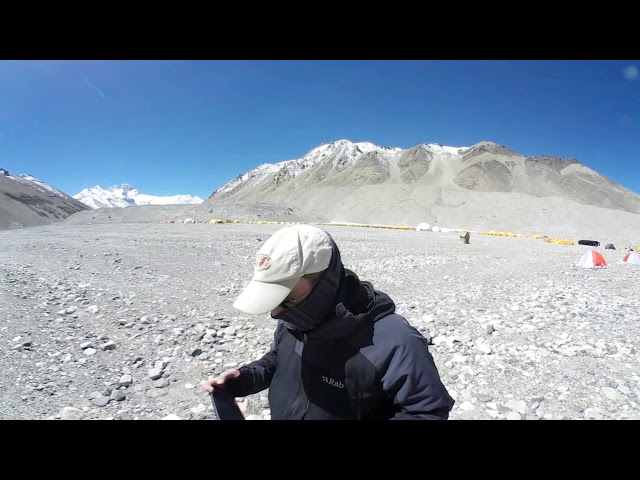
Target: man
[{"x": 339, "y": 350}]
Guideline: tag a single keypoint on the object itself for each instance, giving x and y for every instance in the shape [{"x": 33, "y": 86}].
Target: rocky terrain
[
  {"x": 123, "y": 321},
  {"x": 199, "y": 213}
]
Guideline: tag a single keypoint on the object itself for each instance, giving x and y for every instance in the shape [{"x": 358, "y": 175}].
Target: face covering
[{"x": 311, "y": 312}]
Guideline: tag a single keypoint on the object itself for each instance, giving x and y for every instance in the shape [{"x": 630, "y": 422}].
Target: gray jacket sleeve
[
  {"x": 256, "y": 376},
  {"x": 408, "y": 371}
]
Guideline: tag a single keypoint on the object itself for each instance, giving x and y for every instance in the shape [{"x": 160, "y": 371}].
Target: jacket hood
[{"x": 358, "y": 302}]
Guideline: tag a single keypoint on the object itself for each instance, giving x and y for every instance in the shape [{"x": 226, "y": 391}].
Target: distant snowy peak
[
  {"x": 142, "y": 199},
  {"x": 97, "y": 197},
  {"x": 124, "y": 195}
]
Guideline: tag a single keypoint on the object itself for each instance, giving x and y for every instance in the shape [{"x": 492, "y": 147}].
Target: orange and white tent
[
  {"x": 592, "y": 259},
  {"x": 632, "y": 258}
]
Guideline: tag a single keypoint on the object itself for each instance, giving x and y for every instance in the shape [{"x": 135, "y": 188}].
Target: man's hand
[{"x": 219, "y": 381}]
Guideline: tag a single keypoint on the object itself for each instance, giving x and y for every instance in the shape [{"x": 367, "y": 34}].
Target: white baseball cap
[{"x": 284, "y": 258}]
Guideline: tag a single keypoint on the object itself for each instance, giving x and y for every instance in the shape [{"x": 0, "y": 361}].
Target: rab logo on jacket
[{"x": 332, "y": 382}]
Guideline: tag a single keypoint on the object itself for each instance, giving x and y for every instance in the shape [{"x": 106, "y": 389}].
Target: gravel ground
[{"x": 123, "y": 321}]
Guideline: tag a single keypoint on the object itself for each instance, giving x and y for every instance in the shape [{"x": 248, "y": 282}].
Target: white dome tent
[
  {"x": 592, "y": 259},
  {"x": 631, "y": 259},
  {"x": 423, "y": 227}
]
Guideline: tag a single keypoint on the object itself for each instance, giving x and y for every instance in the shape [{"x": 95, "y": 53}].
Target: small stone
[
  {"x": 467, "y": 406},
  {"x": 90, "y": 351},
  {"x": 483, "y": 347},
  {"x": 484, "y": 397},
  {"x": 125, "y": 381},
  {"x": 118, "y": 395},
  {"x": 161, "y": 383},
  {"x": 513, "y": 416},
  {"x": 100, "y": 401},
  {"x": 71, "y": 413},
  {"x": 610, "y": 393},
  {"x": 625, "y": 390},
  {"x": 517, "y": 405},
  {"x": 199, "y": 409}
]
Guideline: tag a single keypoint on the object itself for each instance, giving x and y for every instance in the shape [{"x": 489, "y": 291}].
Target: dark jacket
[{"x": 365, "y": 362}]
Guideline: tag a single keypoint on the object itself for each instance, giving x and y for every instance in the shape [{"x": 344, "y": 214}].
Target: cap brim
[{"x": 260, "y": 297}]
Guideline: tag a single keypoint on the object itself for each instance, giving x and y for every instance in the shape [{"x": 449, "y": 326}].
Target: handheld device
[{"x": 225, "y": 405}]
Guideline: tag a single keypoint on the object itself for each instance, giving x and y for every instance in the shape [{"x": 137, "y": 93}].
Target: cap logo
[{"x": 263, "y": 262}]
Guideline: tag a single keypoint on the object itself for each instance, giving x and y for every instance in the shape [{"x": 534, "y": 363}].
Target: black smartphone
[{"x": 225, "y": 405}]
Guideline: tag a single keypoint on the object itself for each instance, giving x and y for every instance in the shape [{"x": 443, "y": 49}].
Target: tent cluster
[
  {"x": 594, "y": 259},
  {"x": 555, "y": 241},
  {"x": 493, "y": 233},
  {"x": 559, "y": 241},
  {"x": 425, "y": 227}
]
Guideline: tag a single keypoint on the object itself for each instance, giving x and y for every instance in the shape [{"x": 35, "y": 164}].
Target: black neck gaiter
[{"x": 322, "y": 300}]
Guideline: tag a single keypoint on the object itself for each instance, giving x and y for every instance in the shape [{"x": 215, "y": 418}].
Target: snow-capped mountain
[
  {"x": 327, "y": 161},
  {"x": 336, "y": 156},
  {"x": 483, "y": 186},
  {"x": 120, "y": 196}
]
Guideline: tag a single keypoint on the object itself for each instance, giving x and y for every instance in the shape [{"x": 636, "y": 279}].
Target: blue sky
[{"x": 188, "y": 127}]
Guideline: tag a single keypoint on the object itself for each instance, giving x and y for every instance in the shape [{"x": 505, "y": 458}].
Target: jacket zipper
[
  {"x": 305, "y": 340},
  {"x": 306, "y": 410},
  {"x": 295, "y": 403}
]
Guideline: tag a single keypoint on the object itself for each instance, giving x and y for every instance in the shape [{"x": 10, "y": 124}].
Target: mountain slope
[
  {"x": 26, "y": 201},
  {"x": 485, "y": 186}
]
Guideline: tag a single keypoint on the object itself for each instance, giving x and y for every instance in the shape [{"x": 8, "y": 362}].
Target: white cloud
[
  {"x": 97, "y": 90},
  {"x": 631, "y": 72}
]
